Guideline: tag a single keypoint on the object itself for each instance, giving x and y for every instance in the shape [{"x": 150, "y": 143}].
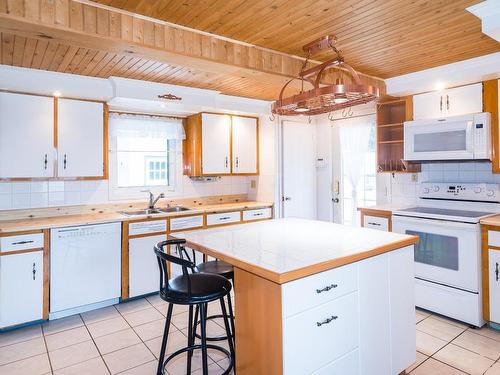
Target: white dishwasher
[{"x": 85, "y": 268}]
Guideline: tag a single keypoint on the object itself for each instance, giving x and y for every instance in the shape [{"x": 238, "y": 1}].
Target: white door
[
  {"x": 144, "y": 274},
  {"x": 299, "y": 174},
  {"x": 428, "y": 105},
  {"x": 464, "y": 100},
  {"x": 215, "y": 144},
  {"x": 26, "y": 136},
  {"x": 80, "y": 138},
  {"x": 244, "y": 140},
  {"x": 494, "y": 278},
  {"x": 21, "y": 288}
]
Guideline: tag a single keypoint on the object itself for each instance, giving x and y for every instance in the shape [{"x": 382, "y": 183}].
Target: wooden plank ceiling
[{"x": 382, "y": 38}]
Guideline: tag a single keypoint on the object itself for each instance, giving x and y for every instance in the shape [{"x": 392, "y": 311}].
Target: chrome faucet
[{"x": 152, "y": 199}]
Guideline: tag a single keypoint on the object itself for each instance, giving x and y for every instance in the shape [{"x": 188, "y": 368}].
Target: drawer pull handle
[
  {"x": 496, "y": 271},
  {"x": 327, "y": 320},
  {"x": 258, "y": 214},
  {"x": 225, "y": 218},
  {"x": 371, "y": 223},
  {"x": 22, "y": 242},
  {"x": 326, "y": 288}
]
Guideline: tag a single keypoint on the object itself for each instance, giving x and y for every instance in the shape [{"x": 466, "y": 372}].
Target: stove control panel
[{"x": 460, "y": 191}]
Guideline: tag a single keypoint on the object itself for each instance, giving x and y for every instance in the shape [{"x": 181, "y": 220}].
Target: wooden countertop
[
  {"x": 491, "y": 220},
  {"x": 382, "y": 209},
  {"x": 283, "y": 250},
  {"x": 107, "y": 217}
]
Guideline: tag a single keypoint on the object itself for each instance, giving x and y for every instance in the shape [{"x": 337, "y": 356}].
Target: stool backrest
[{"x": 163, "y": 257}]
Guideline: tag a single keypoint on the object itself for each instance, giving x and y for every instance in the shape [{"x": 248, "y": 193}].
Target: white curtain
[
  {"x": 145, "y": 126},
  {"x": 354, "y": 135}
]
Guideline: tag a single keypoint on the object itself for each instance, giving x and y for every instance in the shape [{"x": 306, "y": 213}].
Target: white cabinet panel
[
  {"x": 216, "y": 144},
  {"x": 144, "y": 227},
  {"x": 428, "y": 105},
  {"x": 315, "y": 337},
  {"x": 21, "y": 242},
  {"x": 144, "y": 274},
  {"x": 187, "y": 222},
  {"x": 348, "y": 364},
  {"x": 376, "y": 222},
  {"x": 80, "y": 138},
  {"x": 259, "y": 214},
  {"x": 26, "y": 136},
  {"x": 244, "y": 136},
  {"x": 223, "y": 218},
  {"x": 21, "y": 288},
  {"x": 494, "y": 278}
]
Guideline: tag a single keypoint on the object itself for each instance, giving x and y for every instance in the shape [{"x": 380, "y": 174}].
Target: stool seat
[
  {"x": 196, "y": 288},
  {"x": 218, "y": 267}
]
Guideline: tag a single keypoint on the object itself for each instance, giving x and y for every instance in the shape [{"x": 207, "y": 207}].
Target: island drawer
[
  {"x": 187, "y": 222},
  {"x": 321, "y": 335},
  {"x": 223, "y": 218},
  {"x": 147, "y": 227},
  {"x": 21, "y": 242},
  {"x": 262, "y": 213},
  {"x": 306, "y": 293},
  {"x": 348, "y": 364},
  {"x": 376, "y": 222}
]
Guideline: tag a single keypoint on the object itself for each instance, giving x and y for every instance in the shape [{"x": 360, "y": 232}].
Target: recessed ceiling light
[{"x": 57, "y": 94}]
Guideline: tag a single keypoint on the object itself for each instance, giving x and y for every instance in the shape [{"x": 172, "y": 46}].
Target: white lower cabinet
[
  {"x": 21, "y": 288},
  {"x": 258, "y": 214},
  {"x": 223, "y": 218},
  {"x": 144, "y": 274},
  {"x": 376, "y": 222},
  {"x": 348, "y": 364},
  {"x": 494, "y": 278}
]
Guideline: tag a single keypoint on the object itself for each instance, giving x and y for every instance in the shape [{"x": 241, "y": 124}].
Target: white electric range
[{"x": 448, "y": 255}]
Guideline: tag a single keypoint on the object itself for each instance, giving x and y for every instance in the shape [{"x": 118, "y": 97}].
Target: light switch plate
[{"x": 253, "y": 184}]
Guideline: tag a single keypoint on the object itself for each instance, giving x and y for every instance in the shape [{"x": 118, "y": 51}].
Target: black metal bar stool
[
  {"x": 191, "y": 288},
  {"x": 221, "y": 268}
]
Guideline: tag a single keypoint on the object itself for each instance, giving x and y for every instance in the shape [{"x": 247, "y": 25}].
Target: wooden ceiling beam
[{"x": 91, "y": 27}]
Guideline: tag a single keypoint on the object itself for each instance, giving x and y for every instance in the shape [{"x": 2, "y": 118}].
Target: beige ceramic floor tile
[
  {"x": 73, "y": 354},
  {"x": 178, "y": 309},
  {"x": 127, "y": 358},
  {"x": 213, "y": 369},
  {"x": 463, "y": 359},
  {"x": 132, "y": 306},
  {"x": 479, "y": 344},
  {"x": 20, "y": 335},
  {"x": 116, "y": 341},
  {"x": 58, "y": 325},
  {"x": 453, "y": 322},
  {"x": 142, "y": 316},
  {"x": 493, "y": 370},
  {"x": 178, "y": 365},
  {"x": 176, "y": 340},
  {"x": 419, "y": 360},
  {"x": 106, "y": 327},
  {"x": 181, "y": 320},
  {"x": 100, "y": 314},
  {"x": 423, "y": 312},
  {"x": 155, "y": 299},
  {"x": 94, "y": 366},
  {"x": 428, "y": 344},
  {"x": 145, "y": 369},
  {"x": 488, "y": 332},
  {"x": 66, "y": 338},
  {"x": 22, "y": 350},
  {"x": 419, "y": 316},
  {"x": 152, "y": 329},
  {"x": 433, "y": 367},
  {"x": 35, "y": 365},
  {"x": 439, "y": 328}
]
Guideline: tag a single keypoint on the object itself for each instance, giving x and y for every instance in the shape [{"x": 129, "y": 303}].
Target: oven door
[
  {"x": 448, "y": 252},
  {"x": 436, "y": 140}
]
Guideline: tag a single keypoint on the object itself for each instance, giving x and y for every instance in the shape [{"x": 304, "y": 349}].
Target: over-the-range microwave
[{"x": 466, "y": 137}]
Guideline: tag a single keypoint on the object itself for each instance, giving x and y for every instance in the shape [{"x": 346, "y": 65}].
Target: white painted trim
[
  {"x": 456, "y": 74},
  {"x": 489, "y": 13}
]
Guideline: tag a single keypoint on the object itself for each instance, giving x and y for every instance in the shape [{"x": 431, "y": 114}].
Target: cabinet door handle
[
  {"x": 226, "y": 162},
  {"x": 441, "y": 103},
  {"x": 447, "y": 102},
  {"x": 258, "y": 214},
  {"x": 22, "y": 242},
  {"x": 375, "y": 224},
  {"x": 496, "y": 271},
  {"x": 237, "y": 162},
  {"x": 65, "y": 161},
  {"x": 326, "y": 288},
  {"x": 45, "y": 162},
  {"x": 34, "y": 271},
  {"x": 327, "y": 320},
  {"x": 225, "y": 218}
]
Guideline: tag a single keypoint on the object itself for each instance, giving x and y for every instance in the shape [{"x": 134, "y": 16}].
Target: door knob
[
  {"x": 287, "y": 198},
  {"x": 335, "y": 200}
]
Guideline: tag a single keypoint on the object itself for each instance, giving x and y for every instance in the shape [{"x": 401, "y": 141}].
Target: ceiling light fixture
[{"x": 324, "y": 98}]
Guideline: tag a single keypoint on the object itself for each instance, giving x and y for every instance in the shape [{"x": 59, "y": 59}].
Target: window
[{"x": 144, "y": 154}]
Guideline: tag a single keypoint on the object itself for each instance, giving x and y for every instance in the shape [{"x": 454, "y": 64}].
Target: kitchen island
[{"x": 317, "y": 298}]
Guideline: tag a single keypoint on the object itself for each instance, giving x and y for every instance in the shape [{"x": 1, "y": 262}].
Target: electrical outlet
[
  {"x": 414, "y": 177},
  {"x": 253, "y": 184}
]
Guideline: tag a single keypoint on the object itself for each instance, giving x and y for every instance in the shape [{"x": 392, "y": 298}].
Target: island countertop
[{"x": 283, "y": 250}]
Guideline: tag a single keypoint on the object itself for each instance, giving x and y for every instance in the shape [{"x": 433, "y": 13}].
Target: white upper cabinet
[
  {"x": 216, "y": 144},
  {"x": 26, "y": 136},
  {"x": 452, "y": 102},
  {"x": 244, "y": 137},
  {"x": 80, "y": 133}
]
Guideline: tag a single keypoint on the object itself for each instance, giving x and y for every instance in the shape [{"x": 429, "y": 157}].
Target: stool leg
[
  {"x": 190, "y": 340},
  {"x": 231, "y": 316},
  {"x": 204, "y": 353},
  {"x": 226, "y": 324},
  {"x": 165, "y": 338},
  {"x": 195, "y": 324}
]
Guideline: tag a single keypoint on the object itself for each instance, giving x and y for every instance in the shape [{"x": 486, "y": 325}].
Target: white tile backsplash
[
  {"x": 56, "y": 186},
  {"x": 404, "y": 191}
]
